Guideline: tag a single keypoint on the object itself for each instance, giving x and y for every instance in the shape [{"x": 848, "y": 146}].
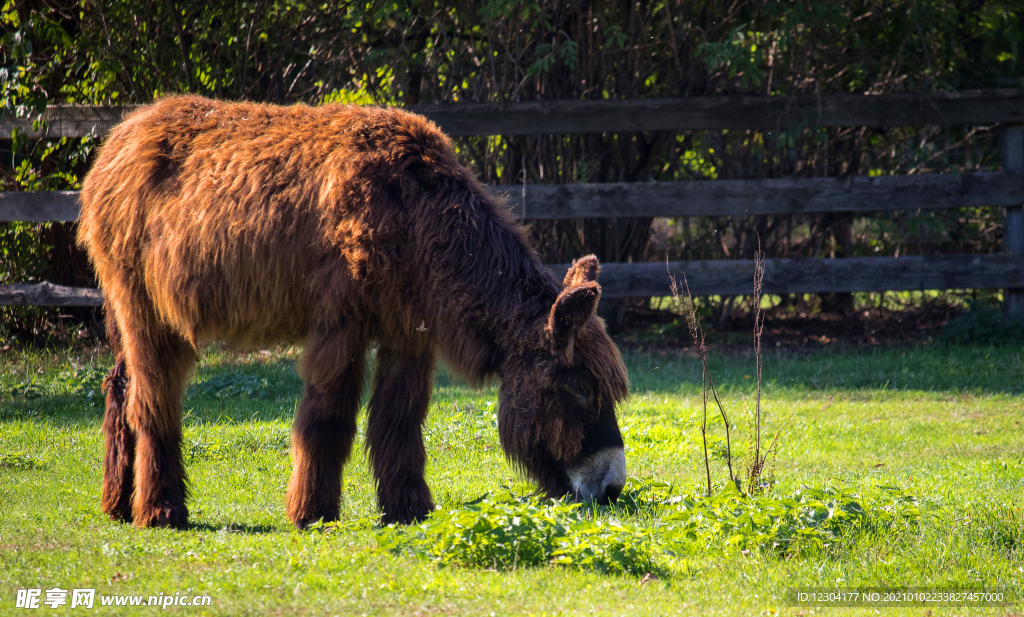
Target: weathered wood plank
[
  {"x": 48, "y": 294},
  {"x": 815, "y": 275},
  {"x": 707, "y": 278},
  {"x": 1012, "y": 150},
  {"x": 687, "y": 113},
  {"x": 68, "y": 121},
  {"x": 728, "y": 112},
  {"x": 701, "y": 198},
  {"x": 41, "y": 206},
  {"x": 774, "y": 196}
]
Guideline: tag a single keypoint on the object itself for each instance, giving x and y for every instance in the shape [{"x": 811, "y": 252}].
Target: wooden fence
[{"x": 699, "y": 198}]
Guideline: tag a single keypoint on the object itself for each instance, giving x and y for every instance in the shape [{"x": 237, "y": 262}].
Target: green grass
[{"x": 941, "y": 424}]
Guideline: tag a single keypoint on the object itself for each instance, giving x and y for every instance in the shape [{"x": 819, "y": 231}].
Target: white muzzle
[{"x": 601, "y": 477}]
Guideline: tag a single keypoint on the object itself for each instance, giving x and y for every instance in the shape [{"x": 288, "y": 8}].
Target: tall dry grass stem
[
  {"x": 684, "y": 300},
  {"x": 758, "y": 459}
]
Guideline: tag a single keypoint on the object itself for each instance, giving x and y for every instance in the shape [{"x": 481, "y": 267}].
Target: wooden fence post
[{"x": 1012, "y": 149}]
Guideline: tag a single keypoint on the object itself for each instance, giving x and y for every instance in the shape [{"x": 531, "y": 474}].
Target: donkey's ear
[
  {"x": 570, "y": 312},
  {"x": 583, "y": 270}
]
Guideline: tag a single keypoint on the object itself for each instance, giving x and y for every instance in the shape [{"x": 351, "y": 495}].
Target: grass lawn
[{"x": 943, "y": 425}]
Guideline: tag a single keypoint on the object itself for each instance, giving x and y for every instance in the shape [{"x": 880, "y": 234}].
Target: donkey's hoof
[
  {"x": 119, "y": 510},
  {"x": 119, "y": 516},
  {"x": 163, "y": 515},
  {"x": 306, "y": 523},
  {"x": 302, "y": 523},
  {"x": 310, "y": 514},
  {"x": 407, "y": 515}
]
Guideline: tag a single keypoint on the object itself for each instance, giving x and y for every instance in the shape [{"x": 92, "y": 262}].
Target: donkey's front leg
[
  {"x": 325, "y": 425},
  {"x": 394, "y": 435}
]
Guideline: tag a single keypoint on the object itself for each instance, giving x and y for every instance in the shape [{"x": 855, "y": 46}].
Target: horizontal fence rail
[
  {"x": 727, "y": 112},
  {"x": 759, "y": 197},
  {"x": 706, "y": 278},
  {"x": 48, "y": 294},
  {"x": 786, "y": 276},
  {"x": 612, "y": 116},
  {"x": 852, "y": 195},
  {"x": 48, "y": 206},
  {"x": 698, "y": 198}
]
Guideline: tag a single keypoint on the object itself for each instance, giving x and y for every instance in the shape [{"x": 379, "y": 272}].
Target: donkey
[{"x": 338, "y": 226}]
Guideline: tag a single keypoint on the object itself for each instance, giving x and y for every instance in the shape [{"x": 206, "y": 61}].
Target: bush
[
  {"x": 527, "y": 533},
  {"x": 659, "y": 525},
  {"x": 984, "y": 324}
]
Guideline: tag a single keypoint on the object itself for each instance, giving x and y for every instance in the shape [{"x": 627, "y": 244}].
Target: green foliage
[
  {"x": 17, "y": 413},
  {"x": 412, "y": 52},
  {"x": 22, "y": 253},
  {"x": 737, "y": 54},
  {"x": 983, "y": 324},
  {"x": 512, "y": 533},
  {"x": 85, "y": 381},
  {"x": 530, "y": 532},
  {"x": 202, "y": 447},
  {"x": 811, "y": 518},
  {"x": 1003, "y": 524},
  {"x": 19, "y": 461},
  {"x": 36, "y": 49},
  {"x": 229, "y": 385},
  {"x": 25, "y": 391}
]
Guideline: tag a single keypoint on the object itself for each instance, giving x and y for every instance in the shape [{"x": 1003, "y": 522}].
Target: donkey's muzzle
[{"x": 599, "y": 478}]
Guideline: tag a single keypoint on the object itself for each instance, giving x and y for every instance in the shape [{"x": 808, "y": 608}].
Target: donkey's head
[{"x": 558, "y": 395}]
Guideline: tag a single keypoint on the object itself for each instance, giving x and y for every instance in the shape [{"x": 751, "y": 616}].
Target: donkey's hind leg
[
  {"x": 119, "y": 461},
  {"x": 158, "y": 364},
  {"x": 325, "y": 424}
]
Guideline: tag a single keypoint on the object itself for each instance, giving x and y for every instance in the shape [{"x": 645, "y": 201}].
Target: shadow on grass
[
  {"x": 240, "y": 528},
  {"x": 70, "y": 411},
  {"x": 945, "y": 368},
  {"x": 223, "y": 391},
  {"x": 226, "y": 391}
]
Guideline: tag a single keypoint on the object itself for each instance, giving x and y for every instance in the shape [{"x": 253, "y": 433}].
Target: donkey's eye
[
  {"x": 581, "y": 397},
  {"x": 576, "y": 380},
  {"x": 579, "y": 388}
]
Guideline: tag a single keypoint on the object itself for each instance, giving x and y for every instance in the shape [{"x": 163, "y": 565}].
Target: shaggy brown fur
[
  {"x": 340, "y": 226},
  {"x": 118, "y": 466}
]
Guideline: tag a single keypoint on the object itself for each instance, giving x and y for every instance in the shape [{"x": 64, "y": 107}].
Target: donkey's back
[{"x": 230, "y": 219}]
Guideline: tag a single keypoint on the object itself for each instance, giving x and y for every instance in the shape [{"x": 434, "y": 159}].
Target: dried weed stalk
[
  {"x": 759, "y": 456},
  {"x": 684, "y": 300},
  {"x": 758, "y": 459}
]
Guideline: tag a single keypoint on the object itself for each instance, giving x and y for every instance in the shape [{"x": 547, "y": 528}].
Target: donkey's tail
[{"x": 119, "y": 463}]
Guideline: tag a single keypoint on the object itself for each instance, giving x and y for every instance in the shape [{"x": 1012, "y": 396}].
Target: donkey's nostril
[{"x": 612, "y": 492}]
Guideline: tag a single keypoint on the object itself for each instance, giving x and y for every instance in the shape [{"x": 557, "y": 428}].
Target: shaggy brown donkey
[{"x": 339, "y": 226}]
